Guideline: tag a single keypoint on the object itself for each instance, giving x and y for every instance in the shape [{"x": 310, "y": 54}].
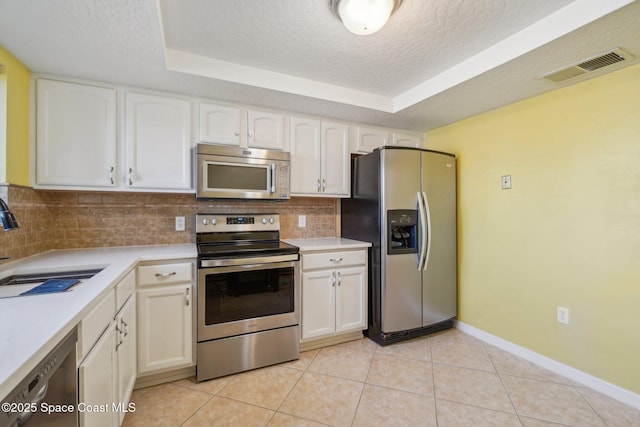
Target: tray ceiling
[{"x": 435, "y": 61}]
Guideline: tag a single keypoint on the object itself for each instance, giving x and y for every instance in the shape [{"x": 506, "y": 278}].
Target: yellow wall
[
  {"x": 17, "y": 136},
  {"x": 567, "y": 233}
]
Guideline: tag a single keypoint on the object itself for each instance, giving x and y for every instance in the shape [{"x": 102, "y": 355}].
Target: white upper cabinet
[
  {"x": 219, "y": 124},
  {"x": 76, "y": 135},
  {"x": 158, "y": 142},
  {"x": 305, "y": 156},
  {"x": 406, "y": 139},
  {"x": 228, "y": 125},
  {"x": 335, "y": 160},
  {"x": 77, "y": 142},
  {"x": 265, "y": 130},
  {"x": 320, "y": 161},
  {"x": 367, "y": 139}
]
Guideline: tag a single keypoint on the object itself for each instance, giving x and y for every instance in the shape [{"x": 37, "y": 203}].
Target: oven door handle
[
  {"x": 244, "y": 267},
  {"x": 250, "y": 261}
]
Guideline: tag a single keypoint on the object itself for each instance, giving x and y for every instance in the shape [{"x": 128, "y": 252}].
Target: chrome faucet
[{"x": 6, "y": 217}]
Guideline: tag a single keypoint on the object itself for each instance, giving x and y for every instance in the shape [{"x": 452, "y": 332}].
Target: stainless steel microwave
[{"x": 241, "y": 173}]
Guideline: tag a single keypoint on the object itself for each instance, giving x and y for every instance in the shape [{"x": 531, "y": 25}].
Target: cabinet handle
[
  {"x": 318, "y": 185},
  {"x": 111, "y": 174},
  {"x": 333, "y": 279},
  {"x": 335, "y": 259},
  {"x": 159, "y": 275},
  {"x": 187, "y": 297},
  {"x": 125, "y": 327},
  {"x": 130, "y": 176},
  {"x": 339, "y": 279},
  {"x": 324, "y": 185}
]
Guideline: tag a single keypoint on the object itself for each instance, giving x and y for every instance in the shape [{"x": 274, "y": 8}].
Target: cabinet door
[
  {"x": 165, "y": 336},
  {"x": 335, "y": 160},
  {"x": 158, "y": 141},
  {"x": 368, "y": 139},
  {"x": 351, "y": 299},
  {"x": 406, "y": 139},
  {"x": 76, "y": 134},
  {"x": 265, "y": 130},
  {"x": 305, "y": 156},
  {"x": 318, "y": 303},
  {"x": 126, "y": 352},
  {"x": 219, "y": 124},
  {"x": 97, "y": 382}
]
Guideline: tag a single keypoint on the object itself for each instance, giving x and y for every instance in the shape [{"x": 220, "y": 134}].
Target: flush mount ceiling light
[{"x": 364, "y": 17}]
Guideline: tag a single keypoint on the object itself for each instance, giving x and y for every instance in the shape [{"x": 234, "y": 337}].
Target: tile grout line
[{"x": 504, "y": 386}]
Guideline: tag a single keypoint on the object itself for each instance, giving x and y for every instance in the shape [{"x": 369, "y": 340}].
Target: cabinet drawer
[
  {"x": 151, "y": 275},
  {"x": 95, "y": 323},
  {"x": 333, "y": 259},
  {"x": 125, "y": 289}
]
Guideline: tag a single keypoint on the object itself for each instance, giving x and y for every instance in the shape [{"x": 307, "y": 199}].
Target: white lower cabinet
[
  {"x": 126, "y": 350},
  {"x": 97, "y": 384},
  {"x": 334, "y": 293},
  {"x": 165, "y": 317},
  {"x": 107, "y": 357}
]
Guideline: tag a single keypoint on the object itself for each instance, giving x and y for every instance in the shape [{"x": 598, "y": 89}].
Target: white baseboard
[{"x": 615, "y": 392}]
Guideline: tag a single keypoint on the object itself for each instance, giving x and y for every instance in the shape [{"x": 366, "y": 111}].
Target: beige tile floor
[{"x": 446, "y": 379}]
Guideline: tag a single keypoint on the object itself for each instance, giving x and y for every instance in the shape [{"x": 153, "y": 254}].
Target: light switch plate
[
  {"x": 180, "y": 223},
  {"x": 302, "y": 221},
  {"x": 506, "y": 182}
]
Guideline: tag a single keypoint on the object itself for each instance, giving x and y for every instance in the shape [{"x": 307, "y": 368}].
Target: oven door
[{"x": 240, "y": 299}]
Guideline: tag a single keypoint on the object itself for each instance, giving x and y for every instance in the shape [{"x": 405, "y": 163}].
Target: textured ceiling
[{"x": 435, "y": 62}]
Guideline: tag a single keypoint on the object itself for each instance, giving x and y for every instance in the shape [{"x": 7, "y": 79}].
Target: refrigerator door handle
[
  {"x": 423, "y": 228},
  {"x": 428, "y": 229}
]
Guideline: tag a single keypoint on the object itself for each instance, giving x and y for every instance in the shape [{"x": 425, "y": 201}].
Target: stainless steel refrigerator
[{"x": 403, "y": 201}]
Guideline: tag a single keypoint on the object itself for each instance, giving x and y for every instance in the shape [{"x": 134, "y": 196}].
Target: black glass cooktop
[{"x": 218, "y": 245}]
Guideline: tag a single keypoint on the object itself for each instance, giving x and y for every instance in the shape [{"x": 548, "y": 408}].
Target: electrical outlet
[
  {"x": 563, "y": 315},
  {"x": 506, "y": 182},
  {"x": 302, "y": 221},
  {"x": 180, "y": 223}
]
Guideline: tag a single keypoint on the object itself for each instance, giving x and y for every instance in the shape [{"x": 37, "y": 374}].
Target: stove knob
[
  {"x": 205, "y": 221},
  {"x": 271, "y": 220},
  {"x": 214, "y": 221},
  {"x": 263, "y": 220}
]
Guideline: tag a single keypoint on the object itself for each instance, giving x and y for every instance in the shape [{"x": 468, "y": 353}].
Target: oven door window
[
  {"x": 247, "y": 294},
  {"x": 234, "y": 176}
]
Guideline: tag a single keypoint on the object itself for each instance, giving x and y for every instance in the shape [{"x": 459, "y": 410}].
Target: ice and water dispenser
[{"x": 402, "y": 231}]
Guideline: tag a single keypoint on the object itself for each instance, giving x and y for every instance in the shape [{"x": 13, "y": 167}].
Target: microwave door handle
[{"x": 273, "y": 178}]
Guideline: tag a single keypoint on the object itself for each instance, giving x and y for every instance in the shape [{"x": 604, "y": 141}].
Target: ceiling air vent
[{"x": 589, "y": 65}]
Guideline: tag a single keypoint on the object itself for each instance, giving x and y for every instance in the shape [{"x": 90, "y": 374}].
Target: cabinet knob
[
  {"x": 236, "y": 133},
  {"x": 250, "y": 134}
]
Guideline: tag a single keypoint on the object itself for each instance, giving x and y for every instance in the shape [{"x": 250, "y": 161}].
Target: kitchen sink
[{"x": 15, "y": 284}]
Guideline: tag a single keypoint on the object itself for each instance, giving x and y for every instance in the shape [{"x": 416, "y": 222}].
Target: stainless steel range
[{"x": 248, "y": 294}]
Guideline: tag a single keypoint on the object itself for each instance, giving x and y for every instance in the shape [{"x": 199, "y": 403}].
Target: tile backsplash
[{"x": 77, "y": 219}]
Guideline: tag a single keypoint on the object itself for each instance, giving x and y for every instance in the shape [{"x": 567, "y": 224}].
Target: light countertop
[
  {"x": 327, "y": 244},
  {"x": 30, "y": 326}
]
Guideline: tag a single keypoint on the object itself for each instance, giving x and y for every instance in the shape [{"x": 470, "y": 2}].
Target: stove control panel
[{"x": 211, "y": 223}]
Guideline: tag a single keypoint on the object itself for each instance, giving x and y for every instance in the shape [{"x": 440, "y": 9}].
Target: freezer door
[
  {"x": 401, "y": 288},
  {"x": 439, "y": 291}
]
